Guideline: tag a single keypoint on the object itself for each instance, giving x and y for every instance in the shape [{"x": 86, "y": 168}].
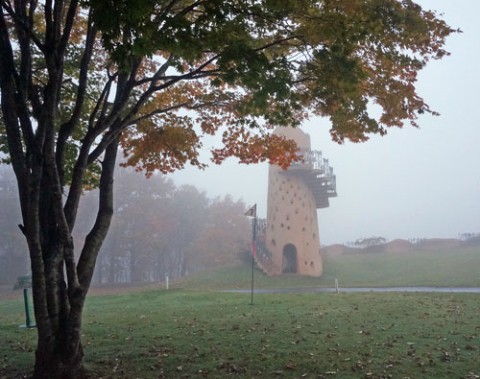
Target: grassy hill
[
  {"x": 440, "y": 267},
  {"x": 425, "y": 267}
]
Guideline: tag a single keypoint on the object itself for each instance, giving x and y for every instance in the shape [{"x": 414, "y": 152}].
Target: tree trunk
[
  {"x": 58, "y": 311},
  {"x": 59, "y": 284},
  {"x": 58, "y": 360}
]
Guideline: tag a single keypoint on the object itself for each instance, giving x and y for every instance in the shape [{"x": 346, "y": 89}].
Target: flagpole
[
  {"x": 252, "y": 212},
  {"x": 254, "y": 248}
]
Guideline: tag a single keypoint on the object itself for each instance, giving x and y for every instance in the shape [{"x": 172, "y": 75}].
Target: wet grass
[
  {"x": 196, "y": 331},
  {"x": 195, "y": 334}
]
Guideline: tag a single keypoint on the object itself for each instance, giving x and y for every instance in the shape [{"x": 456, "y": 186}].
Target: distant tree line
[
  {"x": 470, "y": 238},
  {"x": 369, "y": 242},
  {"x": 379, "y": 244},
  {"x": 158, "y": 229}
]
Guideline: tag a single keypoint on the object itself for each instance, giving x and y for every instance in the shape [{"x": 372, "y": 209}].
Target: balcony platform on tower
[{"x": 317, "y": 174}]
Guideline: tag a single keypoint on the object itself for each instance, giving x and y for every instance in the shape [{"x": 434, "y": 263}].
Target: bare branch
[
  {"x": 27, "y": 28},
  {"x": 67, "y": 128},
  {"x": 72, "y": 9}
]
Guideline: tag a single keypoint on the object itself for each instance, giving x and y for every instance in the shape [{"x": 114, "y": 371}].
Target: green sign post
[{"x": 24, "y": 283}]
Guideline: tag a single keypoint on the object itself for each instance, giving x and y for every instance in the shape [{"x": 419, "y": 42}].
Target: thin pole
[
  {"x": 251, "y": 294},
  {"x": 254, "y": 252}
]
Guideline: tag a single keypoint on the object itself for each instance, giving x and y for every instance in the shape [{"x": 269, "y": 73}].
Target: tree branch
[
  {"x": 26, "y": 28},
  {"x": 8, "y": 97},
  {"x": 67, "y": 128},
  {"x": 69, "y": 21},
  {"x": 98, "y": 232}
]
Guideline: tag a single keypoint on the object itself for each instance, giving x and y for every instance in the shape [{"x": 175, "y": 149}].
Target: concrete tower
[{"x": 291, "y": 235}]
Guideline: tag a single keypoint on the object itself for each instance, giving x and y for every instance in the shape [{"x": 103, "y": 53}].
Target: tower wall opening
[{"x": 289, "y": 258}]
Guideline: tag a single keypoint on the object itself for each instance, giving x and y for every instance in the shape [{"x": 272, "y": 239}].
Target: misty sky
[{"x": 412, "y": 183}]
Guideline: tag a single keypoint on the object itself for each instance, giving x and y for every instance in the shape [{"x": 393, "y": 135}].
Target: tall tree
[
  {"x": 159, "y": 229},
  {"x": 78, "y": 79},
  {"x": 138, "y": 233},
  {"x": 226, "y": 233}
]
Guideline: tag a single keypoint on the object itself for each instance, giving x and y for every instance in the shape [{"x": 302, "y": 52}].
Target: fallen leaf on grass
[
  {"x": 445, "y": 357},
  {"x": 290, "y": 366},
  {"x": 330, "y": 373},
  {"x": 232, "y": 368}
]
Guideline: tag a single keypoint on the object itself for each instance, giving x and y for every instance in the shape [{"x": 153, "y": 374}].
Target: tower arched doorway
[{"x": 289, "y": 258}]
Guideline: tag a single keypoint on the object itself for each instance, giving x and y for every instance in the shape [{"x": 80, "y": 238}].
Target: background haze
[{"x": 412, "y": 183}]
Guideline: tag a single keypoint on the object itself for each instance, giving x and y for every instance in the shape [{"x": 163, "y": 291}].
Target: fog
[{"x": 412, "y": 183}]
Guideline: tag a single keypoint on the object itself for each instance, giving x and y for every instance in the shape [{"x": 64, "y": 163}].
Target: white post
[
  {"x": 336, "y": 286},
  {"x": 166, "y": 281}
]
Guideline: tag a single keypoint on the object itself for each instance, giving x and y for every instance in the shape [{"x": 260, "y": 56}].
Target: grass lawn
[
  {"x": 196, "y": 331},
  {"x": 195, "y": 334}
]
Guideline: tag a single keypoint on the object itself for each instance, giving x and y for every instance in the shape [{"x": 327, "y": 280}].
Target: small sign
[{"x": 23, "y": 282}]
